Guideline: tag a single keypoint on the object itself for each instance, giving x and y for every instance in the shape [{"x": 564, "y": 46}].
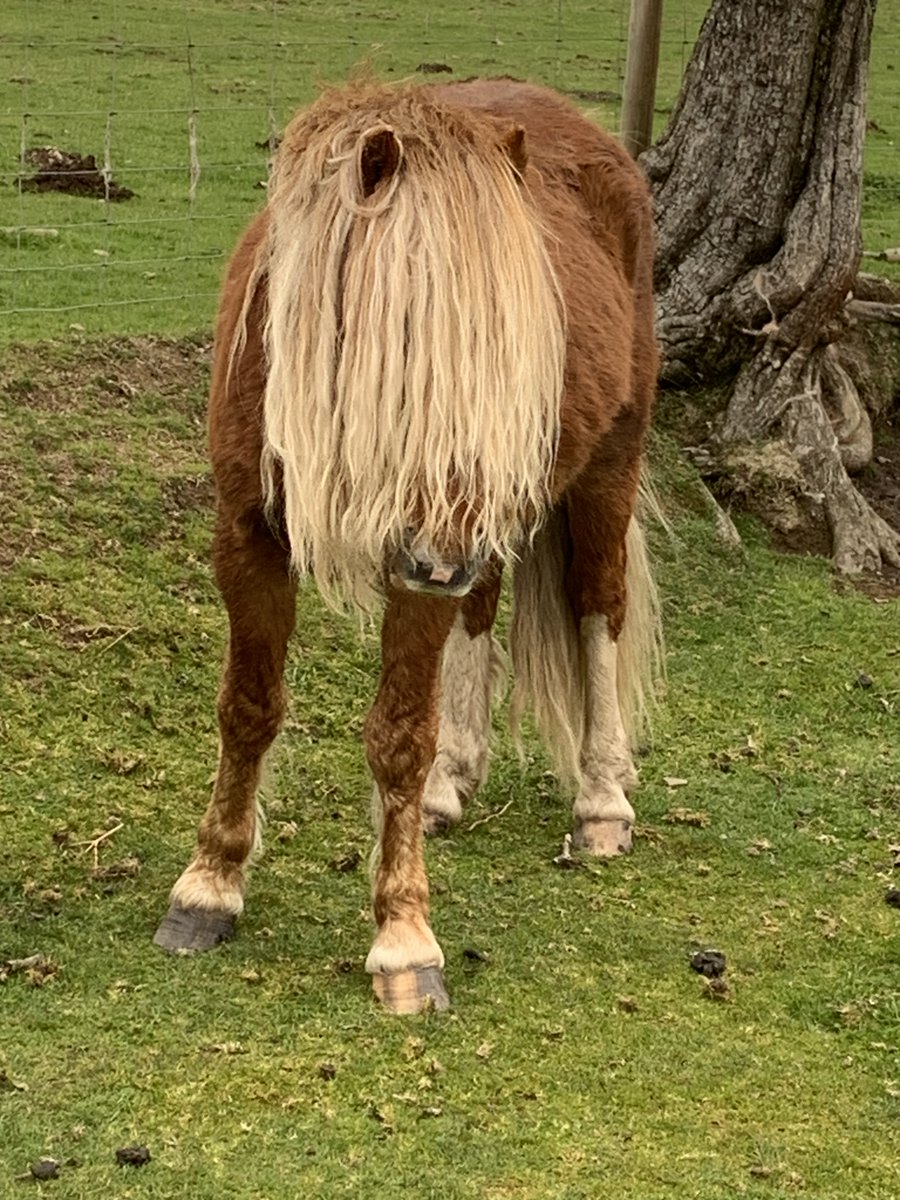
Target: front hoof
[
  {"x": 418, "y": 990},
  {"x": 189, "y": 929},
  {"x": 603, "y": 837}
]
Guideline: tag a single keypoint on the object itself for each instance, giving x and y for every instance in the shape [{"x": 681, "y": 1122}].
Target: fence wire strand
[{"x": 186, "y": 214}]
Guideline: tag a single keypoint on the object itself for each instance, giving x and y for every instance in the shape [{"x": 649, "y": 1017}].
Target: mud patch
[
  {"x": 67, "y": 171},
  {"x": 133, "y": 1156}
]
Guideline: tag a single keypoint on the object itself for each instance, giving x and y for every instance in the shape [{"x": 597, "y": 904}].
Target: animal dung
[
  {"x": 133, "y": 1156},
  {"x": 709, "y": 963},
  {"x": 45, "y": 1168},
  {"x": 58, "y": 170}
]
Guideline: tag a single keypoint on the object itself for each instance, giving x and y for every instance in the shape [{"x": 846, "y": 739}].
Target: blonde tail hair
[{"x": 545, "y": 649}]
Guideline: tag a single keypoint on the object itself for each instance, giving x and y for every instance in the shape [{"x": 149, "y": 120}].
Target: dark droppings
[
  {"x": 709, "y": 963},
  {"x": 133, "y": 1156},
  {"x": 77, "y": 174},
  {"x": 45, "y": 1168},
  {"x": 477, "y": 956}
]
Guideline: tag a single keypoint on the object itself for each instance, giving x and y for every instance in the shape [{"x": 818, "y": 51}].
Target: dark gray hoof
[
  {"x": 420, "y": 989},
  {"x": 436, "y": 824},
  {"x": 188, "y": 929}
]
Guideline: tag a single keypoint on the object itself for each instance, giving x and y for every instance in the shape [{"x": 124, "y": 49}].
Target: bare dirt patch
[
  {"x": 187, "y": 493},
  {"x": 72, "y": 375}
]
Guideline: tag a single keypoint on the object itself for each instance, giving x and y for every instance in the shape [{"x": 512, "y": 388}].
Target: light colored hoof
[
  {"x": 419, "y": 990},
  {"x": 604, "y": 838},
  {"x": 192, "y": 929}
]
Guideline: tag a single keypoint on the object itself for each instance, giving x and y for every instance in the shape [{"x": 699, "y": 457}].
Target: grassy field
[
  {"x": 583, "y": 1056},
  {"x": 127, "y": 75}
]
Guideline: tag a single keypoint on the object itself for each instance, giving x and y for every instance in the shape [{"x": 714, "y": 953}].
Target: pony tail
[
  {"x": 543, "y": 647},
  {"x": 545, "y": 643}
]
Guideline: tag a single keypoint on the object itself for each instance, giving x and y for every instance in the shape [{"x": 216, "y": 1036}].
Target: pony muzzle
[{"x": 417, "y": 568}]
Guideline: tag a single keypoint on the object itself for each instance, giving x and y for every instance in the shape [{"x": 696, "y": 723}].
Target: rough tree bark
[{"x": 757, "y": 183}]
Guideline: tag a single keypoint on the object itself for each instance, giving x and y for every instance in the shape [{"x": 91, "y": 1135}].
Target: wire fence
[{"x": 134, "y": 137}]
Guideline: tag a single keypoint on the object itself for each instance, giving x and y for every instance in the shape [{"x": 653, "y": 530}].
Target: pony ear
[
  {"x": 379, "y": 158},
  {"x": 513, "y": 145}
]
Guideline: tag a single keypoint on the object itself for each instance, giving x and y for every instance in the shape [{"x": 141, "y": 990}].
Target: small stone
[
  {"x": 892, "y": 897},
  {"x": 862, "y": 680}
]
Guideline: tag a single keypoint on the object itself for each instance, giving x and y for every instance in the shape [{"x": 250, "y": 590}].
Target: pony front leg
[
  {"x": 253, "y": 576},
  {"x": 405, "y": 961}
]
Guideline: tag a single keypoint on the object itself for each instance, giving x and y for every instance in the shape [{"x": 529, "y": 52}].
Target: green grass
[
  {"x": 132, "y": 73},
  {"x": 584, "y": 1058}
]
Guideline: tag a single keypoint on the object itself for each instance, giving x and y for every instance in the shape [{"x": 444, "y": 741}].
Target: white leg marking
[
  {"x": 603, "y": 815},
  {"x": 468, "y": 674},
  {"x": 200, "y": 886},
  {"x": 399, "y": 945},
  {"x": 402, "y": 946}
]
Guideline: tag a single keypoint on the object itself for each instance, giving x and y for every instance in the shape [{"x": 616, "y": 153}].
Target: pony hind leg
[
  {"x": 259, "y": 593},
  {"x": 470, "y": 670},
  {"x": 580, "y": 657},
  {"x": 613, "y": 603}
]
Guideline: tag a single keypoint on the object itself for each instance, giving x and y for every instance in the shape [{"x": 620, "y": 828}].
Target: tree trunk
[{"x": 757, "y": 184}]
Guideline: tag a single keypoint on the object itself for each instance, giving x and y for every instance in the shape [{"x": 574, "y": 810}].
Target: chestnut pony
[{"x": 434, "y": 356}]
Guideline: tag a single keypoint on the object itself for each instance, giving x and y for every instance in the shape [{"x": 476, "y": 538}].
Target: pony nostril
[
  {"x": 442, "y": 574},
  {"x": 426, "y": 575},
  {"x": 420, "y": 571}
]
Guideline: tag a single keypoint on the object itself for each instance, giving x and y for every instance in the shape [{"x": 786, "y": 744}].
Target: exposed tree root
[{"x": 791, "y": 396}]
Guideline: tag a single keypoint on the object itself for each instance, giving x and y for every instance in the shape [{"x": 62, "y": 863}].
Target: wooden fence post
[{"x": 641, "y": 62}]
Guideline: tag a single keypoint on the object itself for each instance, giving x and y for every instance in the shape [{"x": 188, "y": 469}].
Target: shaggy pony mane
[{"x": 415, "y": 338}]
